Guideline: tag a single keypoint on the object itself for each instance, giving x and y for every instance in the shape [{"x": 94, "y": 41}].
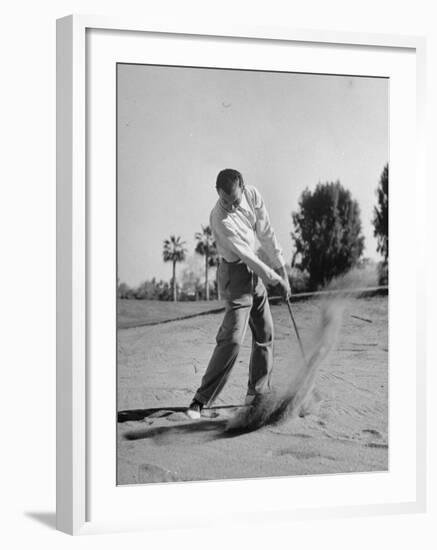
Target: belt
[{"x": 232, "y": 263}]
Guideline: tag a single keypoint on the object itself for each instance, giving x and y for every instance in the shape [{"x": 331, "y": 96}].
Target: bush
[
  {"x": 383, "y": 273},
  {"x": 299, "y": 280}
]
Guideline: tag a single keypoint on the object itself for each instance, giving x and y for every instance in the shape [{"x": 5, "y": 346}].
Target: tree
[
  {"x": 174, "y": 251},
  {"x": 191, "y": 285},
  {"x": 380, "y": 225},
  {"x": 380, "y": 215},
  {"x": 327, "y": 233},
  {"x": 148, "y": 290},
  {"x": 206, "y": 247},
  {"x": 124, "y": 291}
]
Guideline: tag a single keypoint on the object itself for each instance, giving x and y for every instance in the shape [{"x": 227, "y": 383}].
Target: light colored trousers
[{"x": 246, "y": 304}]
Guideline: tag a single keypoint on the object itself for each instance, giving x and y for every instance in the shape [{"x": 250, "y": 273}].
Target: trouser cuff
[{"x": 201, "y": 399}]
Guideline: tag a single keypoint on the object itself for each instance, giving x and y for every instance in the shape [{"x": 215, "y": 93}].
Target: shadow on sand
[
  {"x": 193, "y": 432},
  {"x": 141, "y": 414},
  {"x": 161, "y": 412},
  {"x": 212, "y": 425}
]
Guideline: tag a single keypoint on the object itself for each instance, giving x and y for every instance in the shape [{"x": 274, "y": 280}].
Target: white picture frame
[{"x": 73, "y": 340}]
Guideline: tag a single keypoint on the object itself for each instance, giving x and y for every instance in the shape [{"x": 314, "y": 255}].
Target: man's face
[{"x": 231, "y": 201}]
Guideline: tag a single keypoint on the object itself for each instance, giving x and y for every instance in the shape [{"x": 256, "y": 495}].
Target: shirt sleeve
[
  {"x": 266, "y": 234},
  {"x": 246, "y": 254}
]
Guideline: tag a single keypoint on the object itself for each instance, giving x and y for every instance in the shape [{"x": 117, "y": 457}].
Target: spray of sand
[{"x": 297, "y": 399}]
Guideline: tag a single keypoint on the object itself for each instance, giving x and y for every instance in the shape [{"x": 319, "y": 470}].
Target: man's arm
[
  {"x": 285, "y": 286},
  {"x": 269, "y": 242},
  {"x": 246, "y": 254},
  {"x": 265, "y": 232}
]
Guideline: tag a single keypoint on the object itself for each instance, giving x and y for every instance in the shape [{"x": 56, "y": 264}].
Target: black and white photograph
[
  {"x": 208, "y": 338},
  {"x": 252, "y": 274}
]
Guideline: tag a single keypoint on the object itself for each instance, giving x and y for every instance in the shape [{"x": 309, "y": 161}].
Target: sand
[{"x": 159, "y": 369}]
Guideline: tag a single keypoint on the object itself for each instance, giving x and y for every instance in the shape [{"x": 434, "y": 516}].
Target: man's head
[{"x": 230, "y": 187}]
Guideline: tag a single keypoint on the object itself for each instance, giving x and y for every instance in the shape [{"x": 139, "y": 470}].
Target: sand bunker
[
  {"x": 299, "y": 397},
  {"x": 156, "y": 442}
]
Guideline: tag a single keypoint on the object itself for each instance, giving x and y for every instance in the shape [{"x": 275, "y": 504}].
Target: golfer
[{"x": 237, "y": 219}]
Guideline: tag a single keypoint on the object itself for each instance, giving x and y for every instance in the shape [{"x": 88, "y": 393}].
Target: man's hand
[
  {"x": 283, "y": 284},
  {"x": 284, "y": 288}
]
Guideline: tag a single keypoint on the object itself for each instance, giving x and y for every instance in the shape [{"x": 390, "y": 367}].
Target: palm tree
[
  {"x": 174, "y": 251},
  {"x": 206, "y": 247}
]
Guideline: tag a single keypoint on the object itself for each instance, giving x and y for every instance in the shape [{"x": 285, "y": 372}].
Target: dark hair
[{"x": 227, "y": 179}]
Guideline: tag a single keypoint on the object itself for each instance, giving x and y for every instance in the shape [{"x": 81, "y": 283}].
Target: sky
[{"x": 178, "y": 127}]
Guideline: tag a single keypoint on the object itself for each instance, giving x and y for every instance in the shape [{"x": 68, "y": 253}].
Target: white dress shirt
[{"x": 235, "y": 235}]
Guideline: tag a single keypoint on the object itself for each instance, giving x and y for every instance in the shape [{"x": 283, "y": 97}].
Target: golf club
[{"x": 296, "y": 330}]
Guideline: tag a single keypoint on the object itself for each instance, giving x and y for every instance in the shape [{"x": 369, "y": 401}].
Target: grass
[{"x": 134, "y": 313}]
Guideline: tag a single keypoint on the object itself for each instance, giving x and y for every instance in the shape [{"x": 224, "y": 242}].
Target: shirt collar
[{"x": 244, "y": 205}]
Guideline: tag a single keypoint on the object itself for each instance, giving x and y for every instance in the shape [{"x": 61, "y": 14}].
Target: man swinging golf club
[{"x": 237, "y": 219}]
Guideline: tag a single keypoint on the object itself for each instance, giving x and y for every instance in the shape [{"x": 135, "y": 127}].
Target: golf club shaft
[{"x": 296, "y": 330}]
